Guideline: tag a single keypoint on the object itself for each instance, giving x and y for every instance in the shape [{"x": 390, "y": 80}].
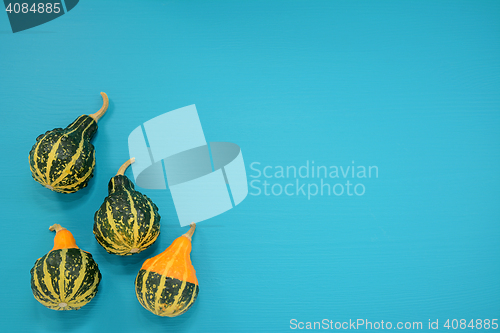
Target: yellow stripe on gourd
[
  {"x": 39, "y": 286},
  {"x": 81, "y": 277},
  {"x": 112, "y": 224},
  {"x": 35, "y": 154},
  {"x": 83, "y": 298},
  {"x": 50, "y": 159},
  {"x": 112, "y": 246},
  {"x": 52, "y": 155},
  {"x": 176, "y": 304},
  {"x": 35, "y": 173},
  {"x": 81, "y": 180},
  {"x": 193, "y": 294},
  {"x": 47, "y": 279},
  {"x": 46, "y": 303},
  {"x": 193, "y": 297},
  {"x": 62, "y": 278},
  {"x": 74, "y": 158},
  {"x": 145, "y": 243},
  {"x": 135, "y": 227},
  {"x": 163, "y": 279},
  {"x": 145, "y": 278},
  {"x": 143, "y": 289}
]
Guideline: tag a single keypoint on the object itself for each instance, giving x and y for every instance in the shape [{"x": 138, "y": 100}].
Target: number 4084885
[
  {"x": 34, "y": 8},
  {"x": 477, "y": 324}
]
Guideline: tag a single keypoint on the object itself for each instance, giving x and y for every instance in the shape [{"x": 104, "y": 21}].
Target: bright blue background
[{"x": 409, "y": 86}]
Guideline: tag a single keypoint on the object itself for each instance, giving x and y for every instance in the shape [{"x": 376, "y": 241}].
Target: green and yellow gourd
[
  {"x": 66, "y": 278},
  {"x": 128, "y": 221},
  {"x": 63, "y": 159},
  {"x": 166, "y": 284}
]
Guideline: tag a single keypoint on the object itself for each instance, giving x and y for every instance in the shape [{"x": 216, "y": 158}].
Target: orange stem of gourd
[
  {"x": 124, "y": 167},
  {"x": 64, "y": 238},
  {"x": 190, "y": 232},
  {"x": 102, "y": 110}
]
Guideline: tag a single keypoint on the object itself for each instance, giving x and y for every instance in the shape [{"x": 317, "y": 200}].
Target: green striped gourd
[
  {"x": 128, "y": 221},
  {"x": 63, "y": 159},
  {"x": 166, "y": 285},
  {"x": 66, "y": 278}
]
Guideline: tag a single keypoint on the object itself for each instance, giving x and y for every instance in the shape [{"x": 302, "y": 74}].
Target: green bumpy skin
[
  {"x": 175, "y": 297},
  {"x": 63, "y": 160},
  {"x": 65, "y": 279},
  {"x": 128, "y": 221}
]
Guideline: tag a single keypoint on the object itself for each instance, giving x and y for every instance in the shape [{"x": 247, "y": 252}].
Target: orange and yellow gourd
[{"x": 166, "y": 285}]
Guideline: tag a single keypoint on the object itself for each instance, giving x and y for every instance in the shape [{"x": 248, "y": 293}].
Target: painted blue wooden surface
[{"x": 409, "y": 87}]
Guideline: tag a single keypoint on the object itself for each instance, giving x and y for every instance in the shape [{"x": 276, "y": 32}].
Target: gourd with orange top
[
  {"x": 166, "y": 284},
  {"x": 67, "y": 277}
]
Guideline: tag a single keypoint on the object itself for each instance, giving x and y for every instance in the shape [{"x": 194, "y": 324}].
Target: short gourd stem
[
  {"x": 124, "y": 167},
  {"x": 56, "y": 228},
  {"x": 190, "y": 232},
  {"x": 102, "y": 110}
]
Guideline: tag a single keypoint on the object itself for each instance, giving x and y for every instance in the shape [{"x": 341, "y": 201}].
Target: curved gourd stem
[
  {"x": 56, "y": 228},
  {"x": 190, "y": 232},
  {"x": 124, "y": 167},
  {"x": 105, "y": 104}
]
